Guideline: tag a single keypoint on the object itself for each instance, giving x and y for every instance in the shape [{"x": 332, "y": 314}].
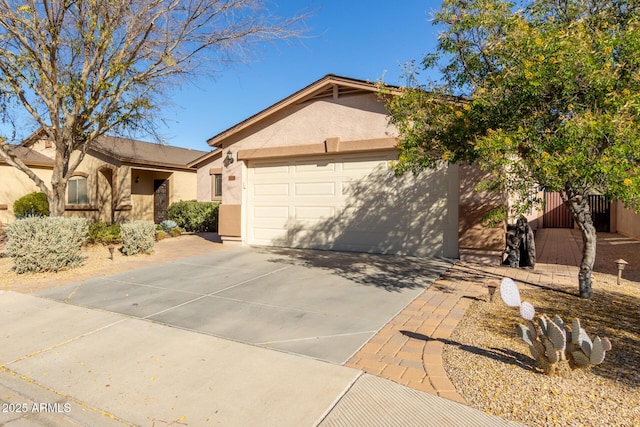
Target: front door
[{"x": 160, "y": 200}]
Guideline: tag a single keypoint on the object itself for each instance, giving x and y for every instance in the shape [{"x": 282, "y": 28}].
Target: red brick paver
[
  {"x": 427, "y": 323},
  {"x": 408, "y": 350}
]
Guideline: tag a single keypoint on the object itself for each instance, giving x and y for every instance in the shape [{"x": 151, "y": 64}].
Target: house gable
[{"x": 331, "y": 107}]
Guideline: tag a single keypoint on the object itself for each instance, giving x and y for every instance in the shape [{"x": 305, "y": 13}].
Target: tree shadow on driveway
[{"x": 390, "y": 272}]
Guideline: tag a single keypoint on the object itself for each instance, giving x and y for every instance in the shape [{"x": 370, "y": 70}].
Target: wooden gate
[
  {"x": 556, "y": 213},
  {"x": 600, "y": 212}
]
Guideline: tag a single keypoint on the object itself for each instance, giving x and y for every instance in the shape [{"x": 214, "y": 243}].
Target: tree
[
  {"x": 83, "y": 68},
  {"x": 544, "y": 93}
]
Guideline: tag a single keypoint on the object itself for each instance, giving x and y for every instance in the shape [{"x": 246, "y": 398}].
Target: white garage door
[{"x": 351, "y": 203}]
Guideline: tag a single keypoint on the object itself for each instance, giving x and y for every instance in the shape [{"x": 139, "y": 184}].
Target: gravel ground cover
[
  {"x": 98, "y": 262},
  {"x": 493, "y": 370}
]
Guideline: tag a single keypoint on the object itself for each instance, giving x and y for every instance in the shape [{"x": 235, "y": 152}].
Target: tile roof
[
  {"x": 30, "y": 157},
  {"x": 133, "y": 151}
]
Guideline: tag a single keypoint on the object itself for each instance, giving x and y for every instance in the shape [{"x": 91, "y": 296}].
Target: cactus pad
[
  {"x": 599, "y": 349},
  {"x": 556, "y": 336},
  {"x": 558, "y": 321},
  {"x": 585, "y": 342},
  {"x": 550, "y": 351},
  {"x": 534, "y": 352},
  {"x": 527, "y": 311},
  {"x": 532, "y": 329},
  {"x": 525, "y": 334},
  {"x": 543, "y": 321},
  {"x": 575, "y": 331},
  {"x": 580, "y": 359},
  {"x": 509, "y": 292}
]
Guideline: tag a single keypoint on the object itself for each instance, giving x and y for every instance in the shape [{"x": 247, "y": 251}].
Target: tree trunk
[
  {"x": 582, "y": 215},
  {"x": 57, "y": 201}
]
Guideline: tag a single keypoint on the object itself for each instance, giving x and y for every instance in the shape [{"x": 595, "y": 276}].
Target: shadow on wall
[
  {"x": 382, "y": 213},
  {"x": 474, "y": 205}
]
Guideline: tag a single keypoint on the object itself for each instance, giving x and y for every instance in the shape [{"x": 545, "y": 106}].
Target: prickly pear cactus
[{"x": 551, "y": 341}]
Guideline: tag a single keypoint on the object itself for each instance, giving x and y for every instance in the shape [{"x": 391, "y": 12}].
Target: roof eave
[
  {"x": 204, "y": 157},
  {"x": 140, "y": 162}
]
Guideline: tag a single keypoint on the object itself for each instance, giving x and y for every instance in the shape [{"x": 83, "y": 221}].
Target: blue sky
[{"x": 354, "y": 38}]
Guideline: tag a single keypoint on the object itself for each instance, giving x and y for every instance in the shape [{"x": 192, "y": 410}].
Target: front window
[
  {"x": 77, "y": 191},
  {"x": 217, "y": 185}
]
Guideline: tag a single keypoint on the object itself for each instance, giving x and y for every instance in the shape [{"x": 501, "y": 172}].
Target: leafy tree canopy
[{"x": 541, "y": 92}]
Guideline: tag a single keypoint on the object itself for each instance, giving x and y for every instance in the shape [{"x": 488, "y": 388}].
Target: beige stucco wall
[
  {"x": 627, "y": 222},
  {"x": 348, "y": 118},
  {"x": 15, "y": 184},
  {"x": 474, "y": 205},
  {"x": 204, "y": 179}
]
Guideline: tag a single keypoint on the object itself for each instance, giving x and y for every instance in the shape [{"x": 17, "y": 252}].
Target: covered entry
[
  {"x": 150, "y": 194},
  {"x": 352, "y": 202}
]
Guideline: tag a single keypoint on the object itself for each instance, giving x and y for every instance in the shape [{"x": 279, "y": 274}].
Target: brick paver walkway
[{"x": 408, "y": 350}]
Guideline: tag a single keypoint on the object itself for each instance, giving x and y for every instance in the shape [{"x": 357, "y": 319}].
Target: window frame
[
  {"x": 217, "y": 185},
  {"x": 78, "y": 201}
]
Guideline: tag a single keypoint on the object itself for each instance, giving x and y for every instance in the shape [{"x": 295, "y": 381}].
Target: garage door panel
[
  {"x": 271, "y": 211},
  {"x": 271, "y": 168},
  {"x": 326, "y": 165},
  {"x": 261, "y": 190},
  {"x": 315, "y": 189},
  {"x": 314, "y": 212},
  {"x": 366, "y": 164},
  {"x": 267, "y": 234},
  {"x": 350, "y": 203}
]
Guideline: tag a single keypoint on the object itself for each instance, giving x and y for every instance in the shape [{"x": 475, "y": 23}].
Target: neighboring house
[
  {"x": 315, "y": 171},
  {"x": 119, "y": 179}
]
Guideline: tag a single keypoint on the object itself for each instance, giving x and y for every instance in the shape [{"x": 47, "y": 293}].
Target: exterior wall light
[{"x": 229, "y": 157}]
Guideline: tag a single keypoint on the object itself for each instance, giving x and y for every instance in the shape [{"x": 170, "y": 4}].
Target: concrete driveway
[{"x": 320, "y": 304}]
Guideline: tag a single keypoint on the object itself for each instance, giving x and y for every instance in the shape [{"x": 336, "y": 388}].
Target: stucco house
[
  {"x": 119, "y": 179},
  {"x": 315, "y": 170}
]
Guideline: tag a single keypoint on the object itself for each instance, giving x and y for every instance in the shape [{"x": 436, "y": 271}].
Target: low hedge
[
  {"x": 138, "y": 237},
  {"x": 194, "y": 216},
  {"x": 102, "y": 233},
  {"x": 32, "y": 204},
  {"x": 38, "y": 244}
]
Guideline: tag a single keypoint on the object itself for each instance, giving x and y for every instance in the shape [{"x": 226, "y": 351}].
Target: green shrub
[
  {"x": 103, "y": 233},
  {"x": 175, "y": 231},
  {"x": 38, "y": 244},
  {"x": 160, "y": 234},
  {"x": 33, "y": 204},
  {"x": 138, "y": 237},
  {"x": 195, "y": 216}
]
